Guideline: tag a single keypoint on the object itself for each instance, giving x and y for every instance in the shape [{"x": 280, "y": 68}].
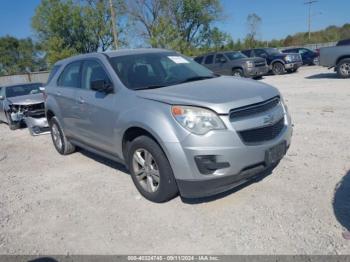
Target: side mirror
[
  {"x": 101, "y": 86},
  {"x": 223, "y": 60},
  {"x": 2, "y": 97}
]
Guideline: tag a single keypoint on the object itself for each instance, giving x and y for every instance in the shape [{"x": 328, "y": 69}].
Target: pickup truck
[
  {"x": 337, "y": 57},
  {"x": 278, "y": 62}
]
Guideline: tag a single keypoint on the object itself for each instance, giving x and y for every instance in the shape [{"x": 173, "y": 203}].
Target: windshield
[
  {"x": 235, "y": 55},
  {"x": 22, "y": 90},
  {"x": 272, "y": 51},
  {"x": 156, "y": 70}
]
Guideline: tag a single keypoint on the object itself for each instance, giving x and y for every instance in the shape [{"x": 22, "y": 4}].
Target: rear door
[
  {"x": 96, "y": 110},
  {"x": 221, "y": 65},
  {"x": 65, "y": 95},
  {"x": 209, "y": 62}
]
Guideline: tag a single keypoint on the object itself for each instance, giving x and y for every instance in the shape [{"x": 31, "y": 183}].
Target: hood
[
  {"x": 27, "y": 99},
  {"x": 220, "y": 94},
  {"x": 253, "y": 59}
]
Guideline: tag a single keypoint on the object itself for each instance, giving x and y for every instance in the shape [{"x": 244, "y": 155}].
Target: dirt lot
[{"x": 83, "y": 204}]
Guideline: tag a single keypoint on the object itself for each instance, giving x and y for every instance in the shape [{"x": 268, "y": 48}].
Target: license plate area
[{"x": 275, "y": 153}]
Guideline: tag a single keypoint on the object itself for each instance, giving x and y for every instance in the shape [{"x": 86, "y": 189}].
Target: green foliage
[
  {"x": 67, "y": 27},
  {"x": 20, "y": 56},
  {"x": 182, "y": 25}
]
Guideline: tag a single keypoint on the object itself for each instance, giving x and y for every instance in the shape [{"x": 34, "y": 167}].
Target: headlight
[
  {"x": 197, "y": 120},
  {"x": 250, "y": 64},
  {"x": 288, "y": 58}
]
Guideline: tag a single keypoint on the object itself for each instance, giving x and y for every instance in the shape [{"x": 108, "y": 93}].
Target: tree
[
  {"x": 67, "y": 27},
  {"x": 253, "y": 23},
  {"x": 20, "y": 56},
  {"x": 183, "y": 25}
]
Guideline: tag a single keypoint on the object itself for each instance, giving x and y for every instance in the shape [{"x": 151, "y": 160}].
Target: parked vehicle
[
  {"x": 308, "y": 56},
  {"x": 278, "y": 62},
  {"x": 176, "y": 125},
  {"x": 23, "y": 103},
  {"x": 337, "y": 57},
  {"x": 234, "y": 63}
]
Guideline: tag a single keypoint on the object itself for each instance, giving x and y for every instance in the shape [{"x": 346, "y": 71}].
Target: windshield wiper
[
  {"x": 149, "y": 87},
  {"x": 196, "y": 78}
]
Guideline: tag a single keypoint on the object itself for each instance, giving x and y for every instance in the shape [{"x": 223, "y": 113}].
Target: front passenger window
[{"x": 93, "y": 71}]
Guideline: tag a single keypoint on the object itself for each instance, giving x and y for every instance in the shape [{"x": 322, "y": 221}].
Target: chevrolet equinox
[{"x": 177, "y": 126}]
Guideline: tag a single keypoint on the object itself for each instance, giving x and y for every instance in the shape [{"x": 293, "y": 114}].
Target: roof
[{"x": 116, "y": 53}]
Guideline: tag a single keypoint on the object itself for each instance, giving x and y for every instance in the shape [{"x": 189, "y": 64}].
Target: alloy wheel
[
  {"x": 56, "y": 136},
  {"x": 146, "y": 170},
  {"x": 345, "y": 69}
]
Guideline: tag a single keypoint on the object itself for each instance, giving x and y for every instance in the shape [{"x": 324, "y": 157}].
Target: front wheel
[
  {"x": 343, "y": 68},
  {"x": 278, "y": 68},
  {"x": 150, "y": 170}
]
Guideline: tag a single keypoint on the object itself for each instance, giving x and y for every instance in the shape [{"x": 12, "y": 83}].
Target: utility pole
[
  {"x": 114, "y": 29},
  {"x": 309, "y": 2}
]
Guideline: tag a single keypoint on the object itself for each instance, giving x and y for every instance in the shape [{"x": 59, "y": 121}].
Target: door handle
[
  {"x": 58, "y": 93},
  {"x": 81, "y": 100}
]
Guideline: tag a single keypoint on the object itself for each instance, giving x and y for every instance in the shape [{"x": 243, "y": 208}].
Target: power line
[{"x": 310, "y": 2}]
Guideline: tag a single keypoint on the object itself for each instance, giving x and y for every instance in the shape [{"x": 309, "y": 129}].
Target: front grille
[
  {"x": 258, "y": 64},
  {"x": 35, "y": 107},
  {"x": 254, "y": 108},
  {"x": 262, "y": 134}
]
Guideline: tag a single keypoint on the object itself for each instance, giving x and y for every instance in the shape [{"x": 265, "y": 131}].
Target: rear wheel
[
  {"x": 278, "y": 68},
  {"x": 343, "y": 68},
  {"x": 150, "y": 170},
  {"x": 237, "y": 72},
  {"x": 60, "y": 141}
]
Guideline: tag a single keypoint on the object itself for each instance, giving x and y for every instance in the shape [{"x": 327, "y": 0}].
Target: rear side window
[
  {"x": 344, "y": 42},
  {"x": 209, "y": 59},
  {"x": 70, "y": 76},
  {"x": 199, "y": 59},
  {"x": 53, "y": 73},
  {"x": 93, "y": 71}
]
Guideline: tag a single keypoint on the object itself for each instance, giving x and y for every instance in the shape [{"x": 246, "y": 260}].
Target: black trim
[{"x": 209, "y": 187}]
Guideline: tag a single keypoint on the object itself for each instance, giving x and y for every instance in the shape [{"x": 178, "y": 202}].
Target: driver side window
[
  {"x": 260, "y": 53},
  {"x": 93, "y": 71}
]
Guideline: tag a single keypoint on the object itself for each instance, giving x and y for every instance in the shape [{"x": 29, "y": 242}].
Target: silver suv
[{"x": 178, "y": 127}]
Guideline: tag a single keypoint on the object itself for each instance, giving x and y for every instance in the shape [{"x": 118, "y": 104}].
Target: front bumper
[
  {"x": 294, "y": 65},
  {"x": 257, "y": 71},
  {"x": 245, "y": 161},
  {"x": 37, "y": 126}
]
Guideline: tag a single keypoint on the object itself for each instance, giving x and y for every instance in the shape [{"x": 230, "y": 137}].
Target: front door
[{"x": 97, "y": 112}]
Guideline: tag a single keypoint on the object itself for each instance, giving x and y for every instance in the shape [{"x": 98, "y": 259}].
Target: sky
[{"x": 279, "y": 17}]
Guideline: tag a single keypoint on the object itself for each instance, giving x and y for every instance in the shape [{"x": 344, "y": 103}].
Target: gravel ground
[{"x": 83, "y": 204}]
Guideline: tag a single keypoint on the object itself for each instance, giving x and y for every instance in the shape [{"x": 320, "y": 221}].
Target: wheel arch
[
  {"x": 341, "y": 58},
  {"x": 132, "y": 133}
]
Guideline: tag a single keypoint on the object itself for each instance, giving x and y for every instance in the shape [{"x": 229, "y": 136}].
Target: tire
[
  {"x": 60, "y": 141},
  {"x": 343, "y": 68},
  {"x": 155, "y": 179},
  {"x": 11, "y": 124},
  {"x": 237, "y": 72},
  {"x": 278, "y": 68}
]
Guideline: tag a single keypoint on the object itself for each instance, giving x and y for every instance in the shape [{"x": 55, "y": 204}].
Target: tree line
[{"x": 67, "y": 27}]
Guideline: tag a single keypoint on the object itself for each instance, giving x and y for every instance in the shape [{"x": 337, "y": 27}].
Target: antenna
[{"x": 310, "y": 2}]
